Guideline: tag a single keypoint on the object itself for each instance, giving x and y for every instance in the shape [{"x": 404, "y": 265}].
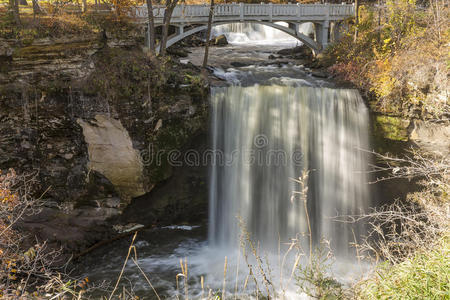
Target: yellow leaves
[
  {"x": 30, "y": 254},
  {"x": 7, "y": 197}
]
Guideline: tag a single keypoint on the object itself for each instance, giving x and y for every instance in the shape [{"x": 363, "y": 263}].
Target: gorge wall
[{"x": 82, "y": 114}]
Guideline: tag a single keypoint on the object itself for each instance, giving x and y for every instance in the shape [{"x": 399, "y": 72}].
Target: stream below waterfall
[{"x": 270, "y": 122}]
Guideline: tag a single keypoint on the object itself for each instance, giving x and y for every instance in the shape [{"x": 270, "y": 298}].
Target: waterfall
[
  {"x": 238, "y": 33},
  {"x": 262, "y": 137}
]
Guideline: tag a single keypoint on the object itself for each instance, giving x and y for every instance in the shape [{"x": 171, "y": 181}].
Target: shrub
[{"x": 403, "y": 62}]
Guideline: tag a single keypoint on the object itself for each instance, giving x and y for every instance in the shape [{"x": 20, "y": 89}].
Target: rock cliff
[{"x": 87, "y": 115}]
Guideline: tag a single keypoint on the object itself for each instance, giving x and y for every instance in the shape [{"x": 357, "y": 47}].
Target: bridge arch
[{"x": 306, "y": 40}]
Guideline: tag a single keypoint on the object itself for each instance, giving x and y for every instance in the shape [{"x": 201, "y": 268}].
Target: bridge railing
[{"x": 240, "y": 10}]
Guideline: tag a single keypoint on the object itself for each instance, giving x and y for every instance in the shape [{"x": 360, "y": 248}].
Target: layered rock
[{"x": 84, "y": 141}]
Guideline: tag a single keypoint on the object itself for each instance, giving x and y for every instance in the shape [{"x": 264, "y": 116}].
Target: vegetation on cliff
[{"x": 400, "y": 57}]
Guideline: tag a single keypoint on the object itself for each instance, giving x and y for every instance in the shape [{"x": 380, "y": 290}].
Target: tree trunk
[
  {"x": 151, "y": 27},
  {"x": 14, "y": 9},
  {"x": 170, "y": 6},
  {"x": 356, "y": 19},
  {"x": 379, "y": 22},
  {"x": 84, "y": 6},
  {"x": 208, "y": 33},
  {"x": 36, "y": 8}
]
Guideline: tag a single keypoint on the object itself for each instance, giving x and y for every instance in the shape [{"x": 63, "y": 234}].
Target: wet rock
[
  {"x": 180, "y": 52},
  {"x": 127, "y": 228},
  {"x": 319, "y": 74},
  {"x": 193, "y": 41},
  {"x": 221, "y": 40},
  {"x": 239, "y": 64},
  {"x": 271, "y": 56},
  {"x": 298, "y": 52}
]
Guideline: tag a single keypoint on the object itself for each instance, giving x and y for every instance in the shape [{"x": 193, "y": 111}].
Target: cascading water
[
  {"x": 267, "y": 135},
  {"x": 241, "y": 33}
]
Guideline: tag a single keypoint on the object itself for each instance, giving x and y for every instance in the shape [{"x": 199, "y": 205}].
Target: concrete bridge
[{"x": 190, "y": 19}]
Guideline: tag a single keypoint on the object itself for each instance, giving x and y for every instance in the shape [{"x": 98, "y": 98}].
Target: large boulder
[
  {"x": 111, "y": 153},
  {"x": 5, "y": 51},
  {"x": 298, "y": 51},
  {"x": 221, "y": 40}
]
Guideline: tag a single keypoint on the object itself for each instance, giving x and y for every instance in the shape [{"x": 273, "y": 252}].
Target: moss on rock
[{"x": 392, "y": 128}]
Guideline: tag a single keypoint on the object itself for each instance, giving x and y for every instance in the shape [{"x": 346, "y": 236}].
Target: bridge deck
[{"x": 240, "y": 12}]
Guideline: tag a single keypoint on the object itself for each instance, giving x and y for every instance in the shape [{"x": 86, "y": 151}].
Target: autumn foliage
[{"x": 400, "y": 57}]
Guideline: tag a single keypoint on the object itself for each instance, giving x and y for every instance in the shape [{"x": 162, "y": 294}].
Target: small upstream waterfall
[
  {"x": 263, "y": 136},
  {"x": 238, "y": 33}
]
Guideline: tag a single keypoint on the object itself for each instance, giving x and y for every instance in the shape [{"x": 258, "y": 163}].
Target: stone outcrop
[
  {"x": 432, "y": 137},
  {"x": 111, "y": 153}
]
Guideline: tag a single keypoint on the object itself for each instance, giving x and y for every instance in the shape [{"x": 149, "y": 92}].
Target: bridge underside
[{"x": 317, "y": 44}]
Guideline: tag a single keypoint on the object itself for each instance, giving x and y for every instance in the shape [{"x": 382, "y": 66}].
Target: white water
[
  {"x": 273, "y": 133},
  {"x": 245, "y": 33}
]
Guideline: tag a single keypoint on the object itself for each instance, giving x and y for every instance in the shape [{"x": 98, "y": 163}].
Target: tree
[
  {"x": 14, "y": 9},
  {"x": 36, "y": 8},
  {"x": 84, "y": 6},
  {"x": 151, "y": 27},
  {"x": 122, "y": 7},
  {"x": 356, "y": 19},
  {"x": 208, "y": 33},
  {"x": 170, "y": 6}
]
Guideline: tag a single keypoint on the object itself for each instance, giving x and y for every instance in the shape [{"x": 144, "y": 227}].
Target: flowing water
[
  {"x": 245, "y": 33},
  {"x": 270, "y": 134},
  {"x": 269, "y": 124}
]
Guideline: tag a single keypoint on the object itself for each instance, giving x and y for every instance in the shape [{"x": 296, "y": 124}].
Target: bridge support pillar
[
  {"x": 147, "y": 36},
  {"x": 179, "y": 30},
  {"x": 294, "y": 26},
  {"x": 322, "y": 31}
]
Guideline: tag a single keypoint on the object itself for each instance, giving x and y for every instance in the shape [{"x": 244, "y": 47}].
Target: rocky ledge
[{"x": 87, "y": 116}]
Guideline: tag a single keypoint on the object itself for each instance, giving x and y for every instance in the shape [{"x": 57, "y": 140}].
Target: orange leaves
[{"x": 8, "y": 199}]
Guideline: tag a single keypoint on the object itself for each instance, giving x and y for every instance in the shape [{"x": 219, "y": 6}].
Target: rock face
[
  {"x": 79, "y": 115},
  {"x": 111, "y": 153},
  {"x": 432, "y": 137}
]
